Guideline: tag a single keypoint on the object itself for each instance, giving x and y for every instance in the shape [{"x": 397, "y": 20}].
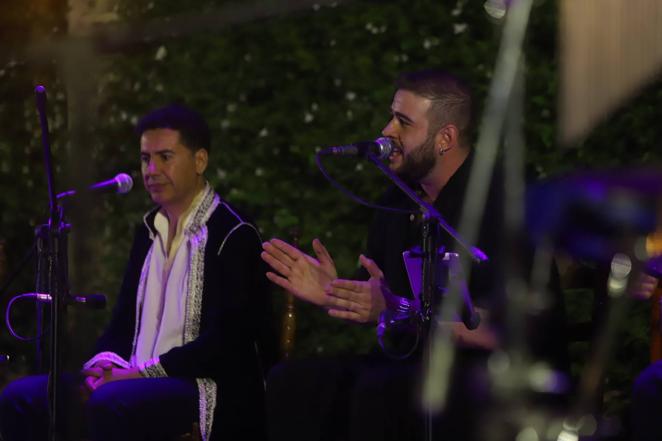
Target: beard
[{"x": 417, "y": 164}]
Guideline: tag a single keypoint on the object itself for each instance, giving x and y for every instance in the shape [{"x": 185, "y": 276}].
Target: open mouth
[{"x": 396, "y": 152}]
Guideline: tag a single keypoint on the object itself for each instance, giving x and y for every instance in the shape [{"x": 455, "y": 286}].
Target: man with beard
[{"x": 371, "y": 398}]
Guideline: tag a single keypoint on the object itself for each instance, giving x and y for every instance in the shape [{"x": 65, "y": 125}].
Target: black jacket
[{"x": 236, "y": 343}]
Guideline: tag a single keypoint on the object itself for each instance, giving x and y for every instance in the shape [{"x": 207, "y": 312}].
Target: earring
[{"x": 442, "y": 151}]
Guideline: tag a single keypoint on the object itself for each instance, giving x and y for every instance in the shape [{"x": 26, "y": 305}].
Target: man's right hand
[
  {"x": 298, "y": 273},
  {"x": 96, "y": 374}
]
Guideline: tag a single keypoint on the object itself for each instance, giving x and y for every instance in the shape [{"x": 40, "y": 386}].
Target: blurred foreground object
[
  {"x": 609, "y": 50},
  {"x": 597, "y": 214}
]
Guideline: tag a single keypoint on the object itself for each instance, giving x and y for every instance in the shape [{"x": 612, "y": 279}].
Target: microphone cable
[
  {"x": 353, "y": 196},
  {"x": 10, "y": 328}
]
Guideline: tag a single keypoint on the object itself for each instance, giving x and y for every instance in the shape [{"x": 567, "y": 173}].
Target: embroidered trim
[
  {"x": 204, "y": 210},
  {"x": 107, "y": 356},
  {"x": 207, "y": 391},
  {"x": 152, "y": 369},
  {"x": 199, "y": 234}
]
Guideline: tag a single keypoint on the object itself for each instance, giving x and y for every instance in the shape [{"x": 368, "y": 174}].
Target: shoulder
[
  {"x": 394, "y": 197},
  {"x": 227, "y": 225}
]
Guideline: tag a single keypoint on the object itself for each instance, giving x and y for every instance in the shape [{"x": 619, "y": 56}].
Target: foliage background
[{"x": 273, "y": 90}]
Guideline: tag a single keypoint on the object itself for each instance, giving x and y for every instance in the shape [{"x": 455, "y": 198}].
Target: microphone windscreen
[{"x": 124, "y": 183}]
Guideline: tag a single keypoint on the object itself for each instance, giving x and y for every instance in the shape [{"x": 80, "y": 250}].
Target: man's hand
[
  {"x": 96, "y": 373},
  {"x": 644, "y": 286},
  {"x": 359, "y": 301},
  {"x": 298, "y": 273},
  {"x": 104, "y": 372}
]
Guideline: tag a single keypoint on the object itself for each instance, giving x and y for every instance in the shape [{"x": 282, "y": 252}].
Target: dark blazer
[{"x": 236, "y": 342}]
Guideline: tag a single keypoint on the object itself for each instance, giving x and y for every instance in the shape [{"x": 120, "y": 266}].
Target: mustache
[{"x": 150, "y": 181}]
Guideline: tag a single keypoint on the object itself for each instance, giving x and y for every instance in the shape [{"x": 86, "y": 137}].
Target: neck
[
  {"x": 174, "y": 212},
  {"x": 443, "y": 170}
]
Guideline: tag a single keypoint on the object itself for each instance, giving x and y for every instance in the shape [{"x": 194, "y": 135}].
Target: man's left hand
[
  {"x": 358, "y": 301},
  {"x": 98, "y": 376}
]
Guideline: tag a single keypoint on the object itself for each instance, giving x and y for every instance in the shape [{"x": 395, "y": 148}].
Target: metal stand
[
  {"x": 431, "y": 290},
  {"x": 430, "y": 271},
  {"x": 53, "y": 255},
  {"x": 428, "y": 210}
]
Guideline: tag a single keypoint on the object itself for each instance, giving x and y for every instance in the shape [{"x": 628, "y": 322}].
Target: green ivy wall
[{"x": 273, "y": 90}]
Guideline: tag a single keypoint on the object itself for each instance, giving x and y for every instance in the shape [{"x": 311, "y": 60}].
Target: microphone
[
  {"x": 40, "y": 99},
  {"x": 122, "y": 184},
  {"x": 380, "y": 147},
  {"x": 93, "y": 301}
]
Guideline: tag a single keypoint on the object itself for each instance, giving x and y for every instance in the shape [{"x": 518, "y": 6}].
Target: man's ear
[
  {"x": 447, "y": 138},
  {"x": 201, "y": 161}
]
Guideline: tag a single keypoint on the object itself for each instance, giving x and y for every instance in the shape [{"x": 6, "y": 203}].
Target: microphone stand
[
  {"x": 52, "y": 254},
  {"x": 433, "y": 222},
  {"x": 427, "y": 209}
]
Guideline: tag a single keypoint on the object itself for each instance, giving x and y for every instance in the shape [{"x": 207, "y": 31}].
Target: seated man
[
  {"x": 372, "y": 398},
  {"x": 189, "y": 339}
]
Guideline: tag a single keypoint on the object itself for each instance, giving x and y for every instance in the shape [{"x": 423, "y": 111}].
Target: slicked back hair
[
  {"x": 193, "y": 129},
  {"x": 451, "y": 100}
]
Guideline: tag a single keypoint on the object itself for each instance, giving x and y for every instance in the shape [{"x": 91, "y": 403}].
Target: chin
[
  {"x": 157, "y": 198},
  {"x": 395, "y": 165}
]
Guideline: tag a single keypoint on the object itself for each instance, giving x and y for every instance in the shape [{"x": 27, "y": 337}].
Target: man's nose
[
  {"x": 151, "y": 167},
  {"x": 389, "y": 129}
]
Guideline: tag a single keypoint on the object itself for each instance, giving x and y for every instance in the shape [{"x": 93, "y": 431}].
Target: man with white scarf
[{"x": 190, "y": 337}]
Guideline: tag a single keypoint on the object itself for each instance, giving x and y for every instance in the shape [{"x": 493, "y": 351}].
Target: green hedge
[{"x": 274, "y": 91}]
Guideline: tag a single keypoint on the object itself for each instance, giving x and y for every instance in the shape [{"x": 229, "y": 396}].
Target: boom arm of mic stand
[
  {"x": 470, "y": 317},
  {"x": 428, "y": 210}
]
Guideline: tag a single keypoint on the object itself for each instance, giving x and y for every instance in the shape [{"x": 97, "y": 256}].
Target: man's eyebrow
[
  {"x": 157, "y": 152},
  {"x": 403, "y": 117}
]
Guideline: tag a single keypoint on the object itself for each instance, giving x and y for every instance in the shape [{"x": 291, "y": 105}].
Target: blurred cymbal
[{"x": 596, "y": 214}]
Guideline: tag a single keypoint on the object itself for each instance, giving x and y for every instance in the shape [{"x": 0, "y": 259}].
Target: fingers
[
  {"x": 351, "y": 290},
  {"x": 348, "y": 295},
  {"x": 371, "y": 267},
  {"x": 280, "y": 281},
  {"x": 349, "y": 285},
  {"x": 95, "y": 372},
  {"x": 648, "y": 281},
  {"x": 90, "y": 383},
  {"x": 281, "y": 250},
  {"x": 283, "y": 257},
  {"x": 321, "y": 252},
  {"x": 644, "y": 287},
  {"x": 341, "y": 303},
  {"x": 346, "y": 315},
  {"x": 276, "y": 264}
]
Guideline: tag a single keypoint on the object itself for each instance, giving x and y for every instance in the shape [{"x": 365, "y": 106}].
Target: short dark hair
[
  {"x": 451, "y": 99},
  {"x": 193, "y": 129}
]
